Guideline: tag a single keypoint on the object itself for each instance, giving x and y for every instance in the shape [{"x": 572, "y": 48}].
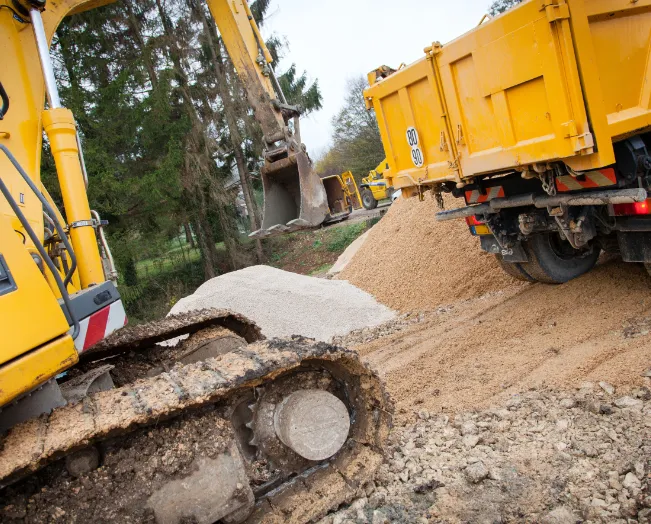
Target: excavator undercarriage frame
[{"x": 273, "y": 431}]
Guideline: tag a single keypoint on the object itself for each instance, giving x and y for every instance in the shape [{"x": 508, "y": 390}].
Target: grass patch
[
  {"x": 324, "y": 268},
  {"x": 342, "y": 236}
]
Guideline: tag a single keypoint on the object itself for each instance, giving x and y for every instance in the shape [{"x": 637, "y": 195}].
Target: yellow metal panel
[
  {"x": 516, "y": 75},
  {"x": 604, "y": 154},
  {"x": 622, "y": 43},
  {"x": 410, "y": 98},
  {"x": 30, "y": 371},
  {"x": 30, "y": 316},
  {"x": 20, "y": 129}
]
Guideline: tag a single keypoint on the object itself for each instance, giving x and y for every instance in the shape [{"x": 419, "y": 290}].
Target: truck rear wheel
[
  {"x": 368, "y": 200},
  {"x": 514, "y": 269},
  {"x": 552, "y": 260}
]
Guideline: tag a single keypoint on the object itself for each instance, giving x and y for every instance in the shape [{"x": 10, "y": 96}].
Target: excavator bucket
[{"x": 294, "y": 196}]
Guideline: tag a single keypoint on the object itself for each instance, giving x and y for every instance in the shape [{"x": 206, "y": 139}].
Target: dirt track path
[
  {"x": 500, "y": 417},
  {"x": 483, "y": 349}
]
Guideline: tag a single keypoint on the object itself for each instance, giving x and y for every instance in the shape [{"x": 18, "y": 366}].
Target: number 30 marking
[{"x": 416, "y": 152}]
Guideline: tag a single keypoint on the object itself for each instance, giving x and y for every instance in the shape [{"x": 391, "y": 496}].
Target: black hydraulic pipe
[{"x": 37, "y": 243}]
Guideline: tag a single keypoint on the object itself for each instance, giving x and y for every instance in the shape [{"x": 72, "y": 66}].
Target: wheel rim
[{"x": 564, "y": 250}]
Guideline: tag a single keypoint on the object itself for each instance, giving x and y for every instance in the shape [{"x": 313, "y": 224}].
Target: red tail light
[
  {"x": 472, "y": 221},
  {"x": 637, "y": 208}
]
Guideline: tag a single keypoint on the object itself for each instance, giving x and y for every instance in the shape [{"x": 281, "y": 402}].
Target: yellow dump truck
[{"x": 540, "y": 119}]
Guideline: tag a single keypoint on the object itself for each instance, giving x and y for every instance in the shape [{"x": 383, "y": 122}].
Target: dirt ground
[
  {"x": 483, "y": 335},
  {"x": 515, "y": 402},
  {"x": 474, "y": 351}
]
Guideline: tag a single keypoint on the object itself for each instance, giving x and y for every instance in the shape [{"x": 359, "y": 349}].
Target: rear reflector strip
[
  {"x": 477, "y": 197},
  {"x": 591, "y": 179}
]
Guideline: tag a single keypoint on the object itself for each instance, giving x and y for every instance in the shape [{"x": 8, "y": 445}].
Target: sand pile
[
  {"x": 595, "y": 328},
  {"x": 411, "y": 262},
  {"x": 285, "y": 304}
]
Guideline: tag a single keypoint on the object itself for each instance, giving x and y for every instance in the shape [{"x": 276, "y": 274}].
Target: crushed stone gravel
[
  {"x": 285, "y": 304},
  {"x": 543, "y": 456}
]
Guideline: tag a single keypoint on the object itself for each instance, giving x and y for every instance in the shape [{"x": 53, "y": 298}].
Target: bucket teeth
[
  {"x": 260, "y": 233},
  {"x": 299, "y": 223},
  {"x": 249, "y": 425},
  {"x": 253, "y": 442}
]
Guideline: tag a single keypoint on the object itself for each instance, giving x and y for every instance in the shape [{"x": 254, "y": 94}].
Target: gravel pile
[
  {"x": 544, "y": 456},
  {"x": 285, "y": 304},
  {"x": 410, "y": 262}
]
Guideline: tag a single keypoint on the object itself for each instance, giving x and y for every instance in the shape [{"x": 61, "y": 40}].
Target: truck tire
[
  {"x": 514, "y": 269},
  {"x": 368, "y": 200},
  {"x": 553, "y": 260}
]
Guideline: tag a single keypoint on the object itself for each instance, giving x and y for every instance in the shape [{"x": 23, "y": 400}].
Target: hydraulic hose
[
  {"x": 5, "y": 101},
  {"x": 37, "y": 243}
]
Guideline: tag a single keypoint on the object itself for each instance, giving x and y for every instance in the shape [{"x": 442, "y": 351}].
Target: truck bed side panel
[
  {"x": 514, "y": 93},
  {"x": 621, "y": 35},
  {"x": 549, "y": 80},
  {"x": 410, "y": 98}
]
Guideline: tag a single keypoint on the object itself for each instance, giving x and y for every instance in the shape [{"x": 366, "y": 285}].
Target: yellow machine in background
[
  {"x": 351, "y": 189},
  {"x": 540, "y": 119},
  {"x": 343, "y": 196},
  {"x": 376, "y": 186}
]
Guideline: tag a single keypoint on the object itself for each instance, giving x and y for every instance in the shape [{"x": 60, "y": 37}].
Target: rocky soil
[{"x": 543, "y": 456}]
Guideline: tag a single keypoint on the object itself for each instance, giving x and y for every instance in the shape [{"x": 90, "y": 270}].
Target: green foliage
[
  {"x": 142, "y": 80},
  {"x": 499, "y": 6},
  {"x": 356, "y": 139},
  {"x": 298, "y": 92},
  {"x": 343, "y": 236}
]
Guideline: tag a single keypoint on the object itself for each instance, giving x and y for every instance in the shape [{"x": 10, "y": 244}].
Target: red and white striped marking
[
  {"x": 100, "y": 325},
  {"x": 600, "y": 178},
  {"x": 476, "y": 197}
]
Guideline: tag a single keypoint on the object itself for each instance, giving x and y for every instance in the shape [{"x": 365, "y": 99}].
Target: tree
[
  {"x": 165, "y": 125},
  {"x": 499, "y": 6},
  {"x": 357, "y": 145}
]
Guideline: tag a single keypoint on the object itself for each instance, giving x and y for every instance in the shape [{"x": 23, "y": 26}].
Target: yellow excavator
[{"x": 99, "y": 422}]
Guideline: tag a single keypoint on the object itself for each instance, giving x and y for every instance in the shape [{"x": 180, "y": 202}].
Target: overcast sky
[{"x": 334, "y": 40}]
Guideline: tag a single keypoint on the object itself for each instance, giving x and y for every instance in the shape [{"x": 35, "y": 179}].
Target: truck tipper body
[{"x": 540, "y": 120}]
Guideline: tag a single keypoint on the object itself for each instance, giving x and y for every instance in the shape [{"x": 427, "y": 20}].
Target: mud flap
[
  {"x": 514, "y": 254},
  {"x": 294, "y": 196}
]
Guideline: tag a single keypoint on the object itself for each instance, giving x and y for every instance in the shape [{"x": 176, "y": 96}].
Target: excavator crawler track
[
  {"x": 156, "y": 434},
  {"x": 144, "y": 336}
]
